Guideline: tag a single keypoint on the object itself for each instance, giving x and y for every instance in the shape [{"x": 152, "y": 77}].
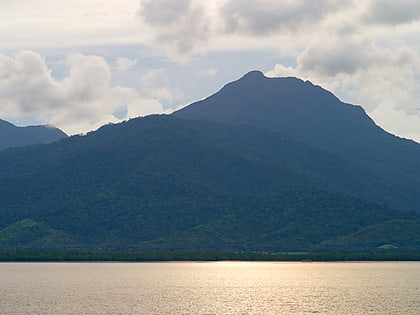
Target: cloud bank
[
  {"x": 262, "y": 17},
  {"x": 177, "y": 26},
  {"x": 81, "y": 101},
  {"x": 365, "y": 51}
]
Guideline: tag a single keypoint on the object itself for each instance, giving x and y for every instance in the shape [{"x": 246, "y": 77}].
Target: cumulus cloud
[
  {"x": 332, "y": 58},
  {"x": 157, "y": 85},
  {"x": 347, "y": 55},
  {"x": 25, "y": 82},
  {"x": 123, "y": 64},
  {"x": 177, "y": 26},
  {"x": 365, "y": 51},
  {"x": 398, "y": 121},
  {"x": 83, "y": 100},
  {"x": 181, "y": 27}
]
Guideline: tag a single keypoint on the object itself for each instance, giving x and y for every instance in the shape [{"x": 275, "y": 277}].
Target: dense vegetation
[
  {"x": 163, "y": 184},
  {"x": 364, "y": 159}
]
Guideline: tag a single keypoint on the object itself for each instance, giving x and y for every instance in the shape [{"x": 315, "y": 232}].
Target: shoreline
[{"x": 202, "y": 257}]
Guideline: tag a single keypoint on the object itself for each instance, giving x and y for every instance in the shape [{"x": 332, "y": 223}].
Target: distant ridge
[{"x": 13, "y": 136}]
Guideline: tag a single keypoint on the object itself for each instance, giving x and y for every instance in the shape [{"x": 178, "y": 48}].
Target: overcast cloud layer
[{"x": 81, "y": 64}]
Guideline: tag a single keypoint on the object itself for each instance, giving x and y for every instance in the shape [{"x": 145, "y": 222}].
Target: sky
[{"x": 81, "y": 64}]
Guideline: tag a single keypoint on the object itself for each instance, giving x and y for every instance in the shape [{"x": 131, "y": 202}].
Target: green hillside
[
  {"x": 163, "y": 184},
  {"x": 264, "y": 165}
]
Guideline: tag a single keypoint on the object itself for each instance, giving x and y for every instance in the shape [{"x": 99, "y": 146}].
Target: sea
[{"x": 225, "y": 287}]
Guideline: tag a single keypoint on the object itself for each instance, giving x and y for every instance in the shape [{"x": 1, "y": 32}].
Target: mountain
[
  {"x": 166, "y": 183},
  {"x": 13, "y": 136},
  {"x": 315, "y": 117},
  {"x": 293, "y": 107},
  {"x": 161, "y": 184}
]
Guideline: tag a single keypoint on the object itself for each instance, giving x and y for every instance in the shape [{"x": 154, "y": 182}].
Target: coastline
[{"x": 201, "y": 257}]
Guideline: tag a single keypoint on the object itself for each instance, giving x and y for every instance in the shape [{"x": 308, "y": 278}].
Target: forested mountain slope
[
  {"x": 263, "y": 165},
  {"x": 316, "y": 117},
  {"x": 12, "y": 136}
]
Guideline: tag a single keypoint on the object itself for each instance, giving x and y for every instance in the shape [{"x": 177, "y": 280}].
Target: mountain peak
[
  {"x": 288, "y": 105},
  {"x": 254, "y": 74},
  {"x": 5, "y": 123},
  {"x": 258, "y": 76}
]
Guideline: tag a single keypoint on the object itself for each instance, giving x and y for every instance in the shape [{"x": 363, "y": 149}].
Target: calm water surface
[{"x": 210, "y": 288}]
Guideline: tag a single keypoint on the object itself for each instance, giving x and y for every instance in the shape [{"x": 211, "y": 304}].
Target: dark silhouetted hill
[
  {"x": 314, "y": 116},
  {"x": 13, "y": 136},
  {"x": 197, "y": 183}
]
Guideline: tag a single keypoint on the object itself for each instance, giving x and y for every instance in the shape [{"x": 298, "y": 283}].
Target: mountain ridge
[
  {"x": 14, "y": 136},
  {"x": 278, "y": 104},
  {"x": 167, "y": 183},
  {"x": 312, "y": 115}
]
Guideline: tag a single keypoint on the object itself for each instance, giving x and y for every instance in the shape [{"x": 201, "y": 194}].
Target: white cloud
[
  {"x": 365, "y": 51},
  {"x": 178, "y": 27},
  {"x": 81, "y": 101},
  {"x": 143, "y": 107},
  {"x": 335, "y": 57},
  {"x": 184, "y": 27},
  {"x": 25, "y": 80},
  {"x": 123, "y": 64},
  {"x": 157, "y": 85},
  {"x": 282, "y": 71},
  {"x": 399, "y": 122}
]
